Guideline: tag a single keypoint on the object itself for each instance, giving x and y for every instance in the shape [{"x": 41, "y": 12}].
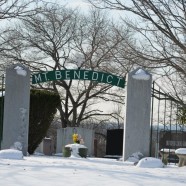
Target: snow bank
[
  {"x": 52, "y": 170},
  {"x": 181, "y": 151},
  {"x": 150, "y": 162},
  {"x": 11, "y": 154}
]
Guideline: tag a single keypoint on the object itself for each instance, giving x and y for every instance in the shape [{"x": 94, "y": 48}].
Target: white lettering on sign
[
  {"x": 85, "y": 75},
  {"x": 94, "y": 76},
  {"x": 118, "y": 80},
  {"x": 67, "y": 74},
  {"x": 76, "y": 75},
  {"x": 109, "y": 77},
  {"x": 58, "y": 75},
  {"x": 102, "y": 77},
  {"x": 37, "y": 77},
  {"x": 45, "y": 73}
]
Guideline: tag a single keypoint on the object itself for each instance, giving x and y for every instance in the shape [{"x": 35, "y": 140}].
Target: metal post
[
  {"x": 2, "y": 108},
  {"x": 158, "y": 131},
  {"x": 152, "y": 117}
]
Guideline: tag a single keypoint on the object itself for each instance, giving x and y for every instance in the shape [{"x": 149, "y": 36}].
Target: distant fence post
[
  {"x": 137, "y": 114},
  {"x": 16, "y": 107},
  {"x": 1, "y": 106}
]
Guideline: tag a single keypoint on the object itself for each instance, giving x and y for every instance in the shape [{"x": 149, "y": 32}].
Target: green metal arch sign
[{"x": 101, "y": 77}]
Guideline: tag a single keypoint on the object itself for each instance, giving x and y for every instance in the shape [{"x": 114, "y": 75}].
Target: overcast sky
[{"x": 84, "y": 6}]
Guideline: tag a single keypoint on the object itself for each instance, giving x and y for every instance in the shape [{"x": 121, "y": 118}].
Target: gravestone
[
  {"x": 16, "y": 107},
  {"x": 64, "y": 137},
  {"x": 137, "y": 114}
]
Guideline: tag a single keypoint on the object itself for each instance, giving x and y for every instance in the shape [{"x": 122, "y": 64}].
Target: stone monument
[
  {"x": 16, "y": 107},
  {"x": 137, "y": 114}
]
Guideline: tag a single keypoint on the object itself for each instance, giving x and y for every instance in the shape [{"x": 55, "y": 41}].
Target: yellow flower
[{"x": 75, "y": 138}]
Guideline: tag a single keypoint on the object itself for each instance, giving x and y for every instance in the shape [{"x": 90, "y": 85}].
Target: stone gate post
[
  {"x": 16, "y": 107},
  {"x": 137, "y": 113}
]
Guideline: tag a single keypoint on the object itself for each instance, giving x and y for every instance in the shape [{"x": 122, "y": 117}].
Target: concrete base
[{"x": 182, "y": 160}]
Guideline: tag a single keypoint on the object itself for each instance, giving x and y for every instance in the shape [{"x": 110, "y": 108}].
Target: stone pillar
[
  {"x": 137, "y": 113},
  {"x": 16, "y": 107}
]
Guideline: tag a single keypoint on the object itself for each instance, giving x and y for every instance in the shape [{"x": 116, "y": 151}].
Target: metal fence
[
  {"x": 168, "y": 129},
  {"x": 2, "y": 94}
]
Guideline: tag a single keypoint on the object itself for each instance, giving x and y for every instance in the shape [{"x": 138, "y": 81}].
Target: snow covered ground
[{"x": 56, "y": 171}]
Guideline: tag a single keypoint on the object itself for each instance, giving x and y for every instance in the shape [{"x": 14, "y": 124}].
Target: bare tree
[
  {"x": 160, "y": 27},
  {"x": 10, "y": 11},
  {"x": 59, "y": 38},
  {"x": 16, "y": 8}
]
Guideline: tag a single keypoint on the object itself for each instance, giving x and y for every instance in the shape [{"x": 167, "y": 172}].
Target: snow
[
  {"x": 2, "y": 93},
  {"x": 75, "y": 145},
  {"x": 17, "y": 145},
  {"x": 141, "y": 75},
  {"x": 75, "y": 149},
  {"x": 167, "y": 150},
  {"x": 11, "y": 154},
  {"x": 150, "y": 162},
  {"x": 172, "y": 127},
  {"x": 181, "y": 151},
  {"x": 135, "y": 157},
  {"x": 20, "y": 71},
  {"x": 52, "y": 170}
]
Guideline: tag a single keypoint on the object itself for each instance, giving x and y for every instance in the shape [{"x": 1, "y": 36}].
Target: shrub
[
  {"x": 83, "y": 152},
  {"x": 66, "y": 152},
  {"x": 43, "y": 107}
]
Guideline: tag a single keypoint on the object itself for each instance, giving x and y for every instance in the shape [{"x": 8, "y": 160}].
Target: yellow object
[{"x": 75, "y": 138}]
